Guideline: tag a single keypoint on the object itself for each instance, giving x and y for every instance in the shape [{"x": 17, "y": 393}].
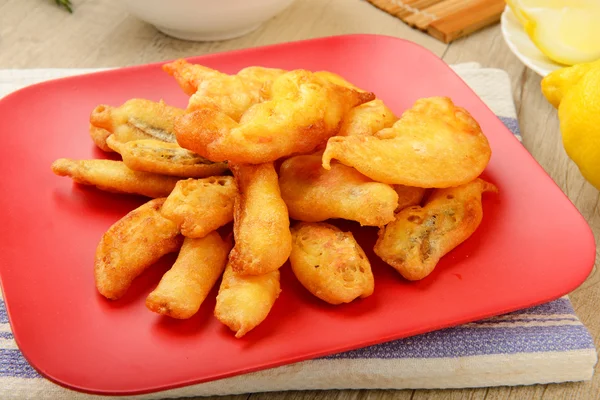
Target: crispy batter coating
[
  {"x": 414, "y": 243},
  {"x": 337, "y": 80},
  {"x": 229, "y": 94},
  {"x": 114, "y": 176},
  {"x": 199, "y": 206},
  {"x": 305, "y": 110},
  {"x": 330, "y": 264},
  {"x": 367, "y": 119},
  {"x": 261, "y": 225},
  {"x": 408, "y": 196},
  {"x": 131, "y": 245},
  {"x": 313, "y": 193},
  {"x": 435, "y": 144},
  {"x": 184, "y": 287},
  {"x": 135, "y": 119},
  {"x": 150, "y": 155},
  {"x": 244, "y": 302}
]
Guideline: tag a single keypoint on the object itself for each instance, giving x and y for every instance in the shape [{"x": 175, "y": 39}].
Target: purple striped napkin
[{"x": 542, "y": 344}]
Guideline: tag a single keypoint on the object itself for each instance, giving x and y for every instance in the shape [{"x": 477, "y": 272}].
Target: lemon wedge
[{"x": 566, "y": 31}]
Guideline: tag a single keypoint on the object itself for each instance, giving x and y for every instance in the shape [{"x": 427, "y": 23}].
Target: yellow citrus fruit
[
  {"x": 576, "y": 93},
  {"x": 566, "y": 31}
]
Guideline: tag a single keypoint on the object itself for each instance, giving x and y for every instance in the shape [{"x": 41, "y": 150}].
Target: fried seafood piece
[
  {"x": 131, "y": 245},
  {"x": 244, "y": 302},
  {"x": 199, "y": 206},
  {"x": 367, "y": 119},
  {"x": 151, "y": 155},
  {"x": 313, "y": 193},
  {"x": 435, "y": 144},
  {"x": 261, "y": 225},
  {"x": 114, "y": 176},
  {"x": 135, "y": 119},
  {"x": 184, "y": 287},
  {"x": 303, "y": 112},
  {"x": 419, "y": 236},
  {"x": 330, "y": 264},
  {"x": 229, "y": 94},
  {"x": 408, "y": 196}
]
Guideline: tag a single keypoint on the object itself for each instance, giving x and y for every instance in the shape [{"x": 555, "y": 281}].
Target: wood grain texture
[{"x": 37, "y": 34}]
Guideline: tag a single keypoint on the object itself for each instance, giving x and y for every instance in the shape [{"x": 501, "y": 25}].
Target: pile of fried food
[{"x": 260, "y": 148}]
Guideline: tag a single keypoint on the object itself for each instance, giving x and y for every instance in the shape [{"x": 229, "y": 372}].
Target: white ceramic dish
[
  {"x": 519, "y": 43},
  {"x": 206, "y": 20}
]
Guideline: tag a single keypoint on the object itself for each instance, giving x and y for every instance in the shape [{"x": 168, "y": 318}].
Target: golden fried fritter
[
  {"x": 330, "y": 264},
  {"x": 229, "y": 94},
  {"x": 414, "y": 243},
  {"x": 435, "y": 144},
  {"x": 305, "y": 110},
  {"x": 408, "y": 196},
  {"x": 114, "y": 176},
  {"x": 367, "y": 119},
  {"x": 184, "y": 287},
  {"x": 337, "y": 80},
  {"x": 150, "y": 155},
  {"x": 313, "y": 193},
  {"x": 199, "y": 206},
  {"x": 244, "y": 302},
  {"x": 135, "y": 119},
  {"x": 261, "y": 224},
  {"x": 131, "y": 245}
]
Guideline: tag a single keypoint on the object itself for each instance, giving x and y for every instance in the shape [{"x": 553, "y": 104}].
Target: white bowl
[
  {"x": 206, "y": 20},
  {"x": 519, "y": 43}
]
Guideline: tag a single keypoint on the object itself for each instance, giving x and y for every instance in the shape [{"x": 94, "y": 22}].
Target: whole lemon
[{"x": 577, "y": 95}]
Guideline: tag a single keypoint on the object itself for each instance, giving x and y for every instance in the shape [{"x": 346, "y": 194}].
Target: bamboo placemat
[{"x": 445, "y": 20}]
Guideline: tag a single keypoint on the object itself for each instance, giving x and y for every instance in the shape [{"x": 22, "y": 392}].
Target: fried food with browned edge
[
  {"x": 114, "y": 176},
  {"x": 184, "y": 287},
  {"x": 435, "y": 144},
  {"x": 303, "y": 112},
  {"x": 229, "y": 94},
  {"x": 199, "y": 206},
  {"x": 419, "y": 236},
  {"x": 244, "y": 302},
  {"x": 313, "y": 193},
  {"x": 367, "y": 119},
  {"x": 261, "y": 225},
  {"x": 135, "y": 119},
  {"x": 150, "y": 155},
  {"x": 131, "y": 245},
  {"x": 330, "y": 264}
]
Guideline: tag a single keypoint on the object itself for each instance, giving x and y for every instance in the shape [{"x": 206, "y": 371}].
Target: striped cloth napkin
[{"x": 542, "y": 344}]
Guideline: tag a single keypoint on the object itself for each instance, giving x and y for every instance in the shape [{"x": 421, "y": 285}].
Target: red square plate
[{"x": 533, "y": 246}]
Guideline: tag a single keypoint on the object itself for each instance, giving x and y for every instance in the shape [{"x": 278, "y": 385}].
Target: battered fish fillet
[
  {"x": 435, "y": 144},
  {"x": 131, "y": 245},
  {"x": 150, "y": 155},
  {"x": 313, "y": 193},
  {"x": 244, "y": 302},
  {"x": 261, "y": 225},
  {"x": 135, "y": 119},
  {"x": 414, "y": 243},
  {"x": 330, "y": 264},
  {"x": 114, "y": 176},
  {"x": 199, "y": 206},
  {"x": 367, "y": 119},
  {"x": 408, "y": 196},
  {"x": 229, "y": 94},
  {"x": 305, "y": 110},
  {"x": 184, "y": 287}
]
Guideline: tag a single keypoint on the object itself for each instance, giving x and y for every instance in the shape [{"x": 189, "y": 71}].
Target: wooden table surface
[{"x": 37, "y": 34}]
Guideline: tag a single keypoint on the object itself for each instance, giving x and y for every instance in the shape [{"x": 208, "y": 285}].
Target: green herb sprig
[{"x": 66, "y": 4}]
